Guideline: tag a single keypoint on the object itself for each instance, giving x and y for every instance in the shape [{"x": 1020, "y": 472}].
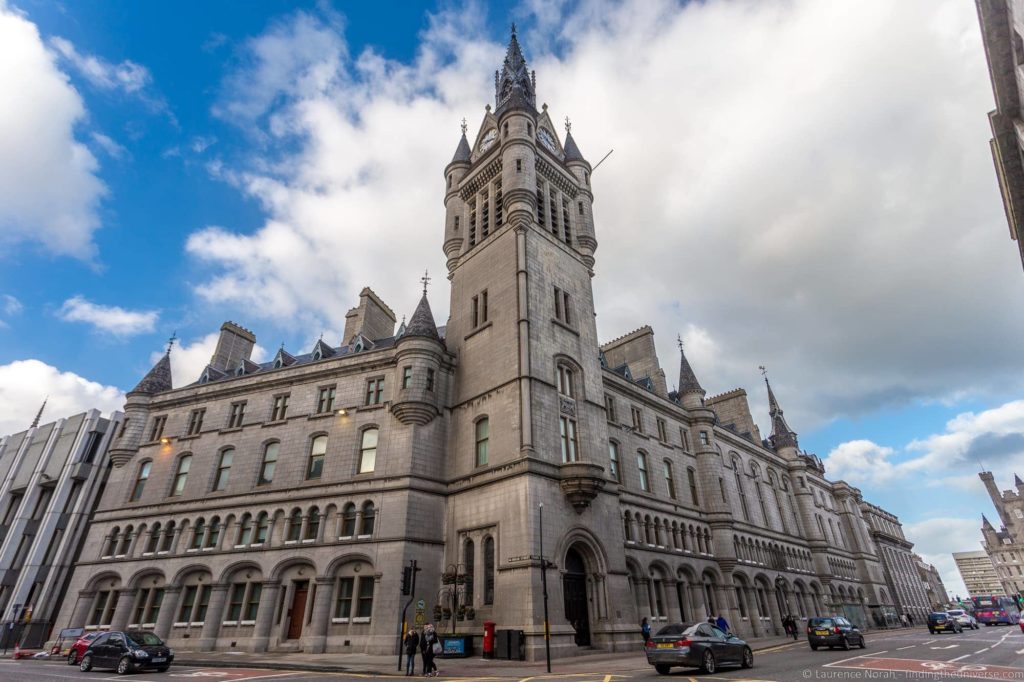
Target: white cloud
[
  {"x": 189, "y": 360},
  {"x": 24, "y": 384},
  {"x": 127, "y": 75},
  {"x": 49, "y": 188},
  {"x": 936, "y": 539},
  {"x": 110, "y": 319},
  {"x": 800, "y": 195},
  {"x": 860, "y": 461},
  {"x": 112, "y": 148},
  {"x": 10, "y": 306}
]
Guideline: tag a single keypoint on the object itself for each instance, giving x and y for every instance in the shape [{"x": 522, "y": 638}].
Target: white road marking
[
  {"x": 873, "y": 654},
  {"x": 958, "y": 658},
  {"x": 950, "y": 646},
  {"x": 906, "y": 647}
]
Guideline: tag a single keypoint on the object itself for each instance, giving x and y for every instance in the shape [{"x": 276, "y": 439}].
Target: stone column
[
  {"x": 133, "y": 544},
  {"x": 700, "y": 607},
  {"x": 82, "y": 609},
  {"x": 672, "y": 605},
  {"x": 214, "y": 616},
  {"x": 176, "y": 539},
  {"x": 123, "y": 610},
  {"x": 753, "y": 611},
  {"x": 648, "y": 584},
  {"x": 773, "y": 609},
  {"x": 168, "y": 607},
  {"x": 726, "y": 597},
  {"x": 321, "y": 615},
  {"x": 265, "y": 615}
]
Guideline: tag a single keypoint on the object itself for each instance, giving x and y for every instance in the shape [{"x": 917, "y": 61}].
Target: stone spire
[
  {"x": 39, "y": 414},
  {"x": 782, "y": 436},
  {"x": 1016, "y": 481},
  {"x": 462, "y": 152},
  {"x": 158, "y": 379},
  {"x": 422, "y": 321},
  {"x": 515, "y": 87},
  {"x": 572, "y": 152},
  {"x": 985, "y": 522}
]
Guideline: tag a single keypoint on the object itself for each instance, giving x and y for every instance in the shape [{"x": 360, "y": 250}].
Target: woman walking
[
  {"x": 412, "y": 643},
  {"x": 429, "y": 646}
]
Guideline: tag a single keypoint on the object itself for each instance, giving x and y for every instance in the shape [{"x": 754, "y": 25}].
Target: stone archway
[{"x": 574, "y": 592}]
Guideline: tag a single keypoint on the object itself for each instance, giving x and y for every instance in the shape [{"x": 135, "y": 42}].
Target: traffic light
[{"x": 407, "y": 580}]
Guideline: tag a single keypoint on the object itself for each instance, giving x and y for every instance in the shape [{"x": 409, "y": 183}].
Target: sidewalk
[{"x": 464, "y": 667}]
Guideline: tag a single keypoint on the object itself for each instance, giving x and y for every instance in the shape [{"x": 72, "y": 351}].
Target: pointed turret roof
[
  {"x": 39, "y": 414},
  {"x": 158, "y": 379},
  {"x": 1016, "y": 480},
  {"x": 514, "y": 86},
  {"x": 572, "y": 152},
  {"x": 462, "y": 152},
  {"x": 782, "y": 436},
  {"x": 422, "y": 321},
  {"x": 985, "y": 523},
  {"x": 687, "y": 379}
]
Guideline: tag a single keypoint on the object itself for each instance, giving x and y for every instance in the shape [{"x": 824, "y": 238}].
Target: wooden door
[{"x": 297, "y": 614}]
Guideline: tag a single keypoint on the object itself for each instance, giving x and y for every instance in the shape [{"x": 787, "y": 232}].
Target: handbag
[{"x": 436, "y": 648}]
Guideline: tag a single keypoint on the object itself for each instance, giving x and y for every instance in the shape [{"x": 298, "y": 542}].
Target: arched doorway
[{"x": 574, "y": 589}]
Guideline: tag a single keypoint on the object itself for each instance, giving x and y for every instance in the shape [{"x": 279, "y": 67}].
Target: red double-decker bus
[{"x": 996, "y": 610}]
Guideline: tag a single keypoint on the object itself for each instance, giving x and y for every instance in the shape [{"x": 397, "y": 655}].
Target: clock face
[
  {"x": 546, "y": 139},
  {"x": 488, "y": 140}
]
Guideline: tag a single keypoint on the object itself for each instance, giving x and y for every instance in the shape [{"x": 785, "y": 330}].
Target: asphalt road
[{"x": 988, "y": 653}]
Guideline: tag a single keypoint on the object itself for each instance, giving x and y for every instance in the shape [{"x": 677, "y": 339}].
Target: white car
[{"x": 965, "y": 619}]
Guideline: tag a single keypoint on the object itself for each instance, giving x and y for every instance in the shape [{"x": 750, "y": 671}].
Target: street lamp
[{"x": 544, "y": 583}]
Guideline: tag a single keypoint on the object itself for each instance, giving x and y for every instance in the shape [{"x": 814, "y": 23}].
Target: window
[
  {"x": 468, "y": 560},
  {"x": 181, "y": 475},
  {"x": 704, "y": 438},
  {"x": 580, "y": 205},
  {"x": 269, "y": 463},
  {"x": 317, "y": 450},
  {"x": 739, "y": 489},
  {"x": 313, "y": 525},
  {"x": 154, "y": 538},
  {"x": 262, "y": 528},
  {"x": 638, "y": 419},
  {"x": 197, "y": 533},
  {"x": 480, "y": 309},
  {"x": 570, "y": 439},
  {"x": 157, "y": 432},
  {"x": 662, "y": 432},
  {"x": 406, "y": 377},
  {"x": 483, "y": 436},
  {"x": 609, "y": 408},
  {"x": 641, "y": 465},
  {"x": 684, "y": 439},
  {"x": 374, "y": 391},
  {"x": 488, "y": 570},
  {"x": 237, "y": 415},
  {"x": 252, "y": 604},
  {"x": 245, "y": 531},
  {"x": 562, "y": 306},
  {"x": 430, "y": 380},
  {"x": 540, "y": 204},
  {"x": 213, "y": 535},
  {"x": 224, "y": 469},
  {"x": 169, "y": 534},
  {"x": 566, "y": 385},
  {"x": 670, "y": 482},
  {"x": 294, "y": 526},
  {"x": 566, "y": 225},
  {"x": 369, "y": 518},
  {"x": 343, "y": 605},
  {"x": 368, "y": 451},
  {"x": 760, "y": 502},
  {"x": 325, "y": 400},
  {"x": 613, "y": 460},
  {"x": 365, "y": 607},
  {"x": 280, "y": 409},
  {"x": 519, "y": 165},
  {"x": 140, "y": 481},
  {"x": 236, "y": 601},
  {"x": 691, "y": 479},
  {"x": 348, "y": 521},
  {"x": 195, "y": 421}
]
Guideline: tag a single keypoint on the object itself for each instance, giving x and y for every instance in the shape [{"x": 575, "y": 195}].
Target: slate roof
[
  {"x": 158, "y": 379},
  {"x": 462, "y": 152},
  {"x": 687, "y": 379},
  {"x": 572, "y": 152},
  {"x": 422, "y": 321},
  {"x": 514, "y": 86}
]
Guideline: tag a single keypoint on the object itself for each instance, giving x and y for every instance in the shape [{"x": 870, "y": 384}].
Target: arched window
[
  {"x": 641, "y": 465},
  {"x": 670, "y": 481},
  {"x": 181, "y": 475},
  {"x": 613, "y": 460},
  {"x": 317, "y": 450},
  {"x": 566, "y": 419},
  {"x": 154, "y": 538},
  {"x": 126, "y": 541},
  {"x": 269, "y": 464},
  {"x": 468, "y": 557},
  {"x": 566, "y": 381},
  {"x": 262, "y": 528},
  {"x": 313, "y": 527},
  {"x": 627, "y": 526},
  {"x": 368, "y": 451},
  {"x": 140, "y": 480},
  {"x": 488, "y": 570},
  {"x": 165, "y": 546},
  {"x": 760, "y": 501},
  {"x": 348, "y": 521},
  {"x": 213, "y": 537},
  {"x": 245, "y": 531},
  {"x": 294, "y": 525},
  {"x": 691, "y": 479},
  {"x": 197, "y": 533},
  {"x": 483, "y": 437},
  {"x": 369, "y": 517},
  {"x": 739, "y": 489},
  {"x": 223, "y": 469}
]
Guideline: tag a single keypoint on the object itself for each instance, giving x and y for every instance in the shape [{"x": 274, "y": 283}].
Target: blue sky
[{"x": 818, "y": 202}]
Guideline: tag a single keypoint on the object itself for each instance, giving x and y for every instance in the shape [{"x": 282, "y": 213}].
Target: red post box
[{"x": 489, "y": 639}]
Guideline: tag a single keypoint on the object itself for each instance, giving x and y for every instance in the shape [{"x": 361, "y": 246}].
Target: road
[{"x": 988, "y": 653}]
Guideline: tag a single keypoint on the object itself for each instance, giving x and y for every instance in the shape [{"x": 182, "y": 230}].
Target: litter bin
[{"x": 510, "y": 645}]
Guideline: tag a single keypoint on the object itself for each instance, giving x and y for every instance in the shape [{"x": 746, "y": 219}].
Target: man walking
[{"x": 722, "y": 624}]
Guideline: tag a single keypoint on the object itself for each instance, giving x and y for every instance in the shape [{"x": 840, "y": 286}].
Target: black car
[
  {"x": 127, "y": 652},
  {"x": 832, "y": 632},
  {"x": 940, "y": 621},
  {"x": 700, "y": 645}
]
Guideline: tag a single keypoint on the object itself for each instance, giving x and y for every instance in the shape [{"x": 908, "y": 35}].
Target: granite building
[
  {"x": 53, "y": 476},
  {"x": 898, "y": 562},
  {"x": 272, "y": 506},
  {"x": 978, "y": 573},
  {"x": 1005, "y": 547}
]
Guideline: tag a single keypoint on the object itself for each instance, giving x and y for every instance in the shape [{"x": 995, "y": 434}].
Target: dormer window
[
  {"x": 278, "y": 364},
  {"x": 316, "y": 355}
]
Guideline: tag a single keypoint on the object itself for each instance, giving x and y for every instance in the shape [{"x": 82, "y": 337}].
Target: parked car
[
  {"x": 698, "y": 645},
  {"x": 940, "y": 621},
  {"x": 834, "y": 631},
  {"x": 80, "y": 645},
  {"x": 127, "y": 652},
  {"x": 965, "y": 619}
]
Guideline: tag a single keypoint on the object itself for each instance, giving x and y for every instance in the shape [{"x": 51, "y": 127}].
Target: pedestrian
[
  {"x": 722, "y": 624},
  {"x": 430, "y": 645},
  {"x": 712, "y": 621},
  {"x": 412, "y": 645},
  {"x": 910, "y": 619},
  {"x": 645, "y": 630},
  {"x": 903, "y": 620},
  {"x": 789, "y": 625}
]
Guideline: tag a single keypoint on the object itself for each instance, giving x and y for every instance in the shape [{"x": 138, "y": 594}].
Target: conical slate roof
[
  {"x": 687, "y": 379},
  {"x": 572, "y": 152},
  {"x": 158, "y": 379},
  {"x": 422, "y": 322},
  {"x": 514, "y": 87},
  {"x": 1016, "y": 480},
  {"x": 462, "y": 152},
  {"x": 984, "y": 522},
  {"x": 782, "y": 436}
]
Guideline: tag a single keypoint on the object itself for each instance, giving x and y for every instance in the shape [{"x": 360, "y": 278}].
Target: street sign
[{"x": 421, "y": 605}]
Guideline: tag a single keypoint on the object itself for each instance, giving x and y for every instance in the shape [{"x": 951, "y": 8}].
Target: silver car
[
  {"x": 700, "y": 645},
  {"x": 965, "y": 619}
]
